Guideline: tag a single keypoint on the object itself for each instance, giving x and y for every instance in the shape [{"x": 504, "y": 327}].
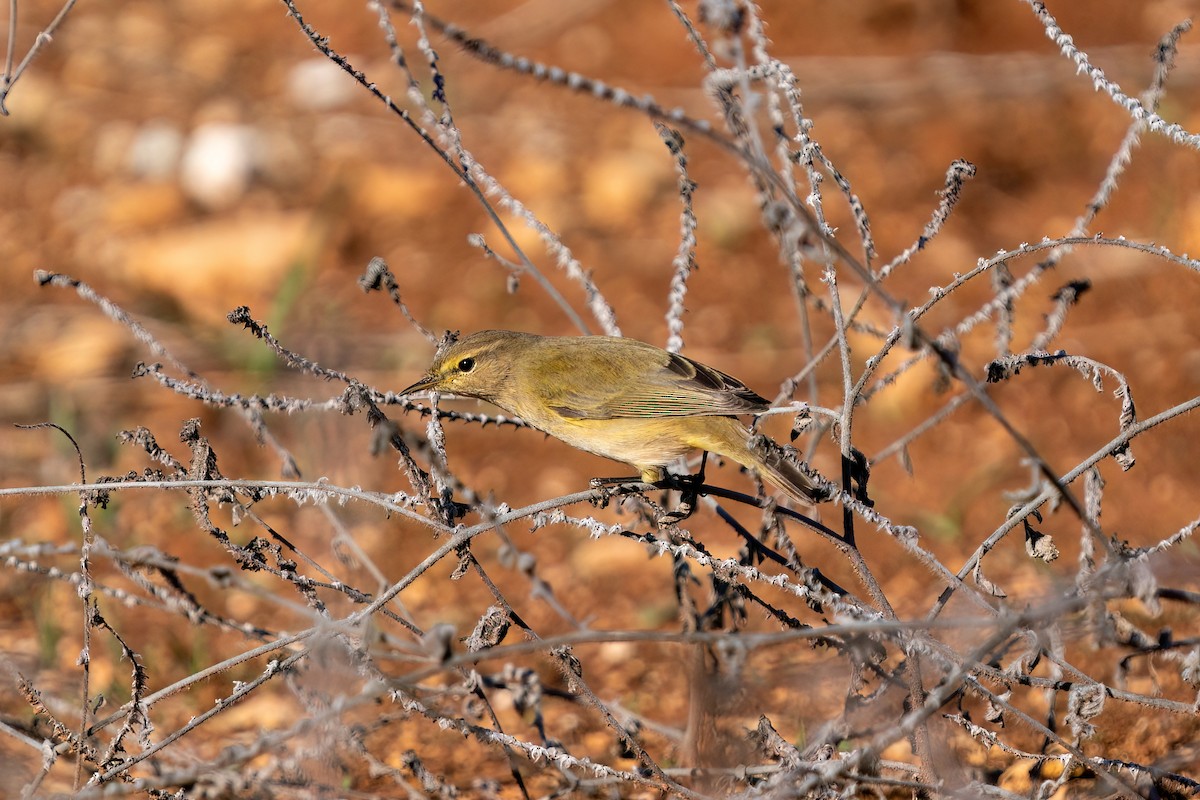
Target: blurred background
[{"x": 184, "y": 159}]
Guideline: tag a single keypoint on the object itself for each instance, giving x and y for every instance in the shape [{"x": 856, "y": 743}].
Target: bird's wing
[{"x": 656, "y": 384}]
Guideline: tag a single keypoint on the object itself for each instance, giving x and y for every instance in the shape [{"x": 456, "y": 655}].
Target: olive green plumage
[{"x": 619, "y": 398}]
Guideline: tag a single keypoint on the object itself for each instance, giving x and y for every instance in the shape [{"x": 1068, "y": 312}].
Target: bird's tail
[
  {"x": 727, "y": 437},
  {"x": 771, "y": 462}
]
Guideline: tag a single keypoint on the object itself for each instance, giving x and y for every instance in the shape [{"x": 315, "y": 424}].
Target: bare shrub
[{"x": 934, "y": 629}]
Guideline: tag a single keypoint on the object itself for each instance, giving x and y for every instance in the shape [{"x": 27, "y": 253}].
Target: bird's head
[{"x": 478, "y": 365}]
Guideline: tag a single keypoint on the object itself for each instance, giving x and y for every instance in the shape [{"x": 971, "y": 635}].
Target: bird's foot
[
  {"x": 608, "y": 488},
  {"x": 688, "y": 486}
]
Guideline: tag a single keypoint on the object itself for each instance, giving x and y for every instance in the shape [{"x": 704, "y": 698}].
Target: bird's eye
[{"x": 466, "y": 365}]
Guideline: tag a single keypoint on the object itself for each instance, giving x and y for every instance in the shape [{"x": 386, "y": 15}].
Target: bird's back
[{"x": 603, "y": 377}]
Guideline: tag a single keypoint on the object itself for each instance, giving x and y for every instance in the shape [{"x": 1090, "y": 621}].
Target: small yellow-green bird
[{"x": 618, "y": 398}]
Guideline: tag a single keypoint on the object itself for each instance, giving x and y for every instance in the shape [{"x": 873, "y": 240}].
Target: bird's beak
[{"x": 428, "y": 382}]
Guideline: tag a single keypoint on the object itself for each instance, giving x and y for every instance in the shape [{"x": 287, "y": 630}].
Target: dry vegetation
[{"x": 948, "y": 239}]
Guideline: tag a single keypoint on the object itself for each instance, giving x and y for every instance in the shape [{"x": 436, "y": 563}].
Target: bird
[{"x": 616, "y": 397}]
